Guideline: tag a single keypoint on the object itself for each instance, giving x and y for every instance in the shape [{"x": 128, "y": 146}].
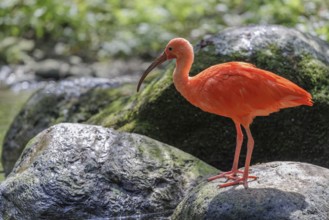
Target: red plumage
[{"x": 242, "y": 91}]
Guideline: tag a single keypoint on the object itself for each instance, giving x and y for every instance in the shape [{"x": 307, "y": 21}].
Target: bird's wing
[{"x": 244, "y": 89}]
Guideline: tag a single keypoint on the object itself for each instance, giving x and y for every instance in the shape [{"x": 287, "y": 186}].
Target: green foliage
[{"x": 96, "y": 29}]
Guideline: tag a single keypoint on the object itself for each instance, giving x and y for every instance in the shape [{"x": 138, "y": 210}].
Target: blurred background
[
  {"x": 96, "y": 30},
  {"x": 86, "y": 32}
]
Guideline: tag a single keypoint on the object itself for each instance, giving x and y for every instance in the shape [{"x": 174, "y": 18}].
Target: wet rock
[
  {"x": 284, "y": 190},
  {"x": 120, "y": 68},
  {"x": 74, "y": 100},
  {"x": 52, "y": 69},
  {"x": 74, "y": 171},
  {"x": 298, "y": 134},
  {"x": 56, "y": 69},
  {"x": 18, "y": 78},
  {"x": 36, "y": 74}
]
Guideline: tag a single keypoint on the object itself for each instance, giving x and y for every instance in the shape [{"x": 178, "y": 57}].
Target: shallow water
[{"x": 10, "y": 105}]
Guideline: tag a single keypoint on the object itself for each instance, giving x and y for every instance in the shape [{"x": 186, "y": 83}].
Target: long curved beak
[{"x": 155, "y": 63}]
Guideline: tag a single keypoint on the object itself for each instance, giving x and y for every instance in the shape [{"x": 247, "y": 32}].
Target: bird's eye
[{"x": 170, "y": 48}]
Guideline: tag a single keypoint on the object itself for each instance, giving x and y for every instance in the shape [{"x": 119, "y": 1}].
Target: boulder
[
  {"x": 284, "y": 190},
  {"x": 295, "y": 134},
  {"x": 71, "y": 100},
  {"x": 75, "y": 171}
]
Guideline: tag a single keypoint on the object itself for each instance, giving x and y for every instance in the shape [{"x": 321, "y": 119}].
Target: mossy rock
[
  {"x": 72, "y": 100},
  {"x": 296, "y": 134}
]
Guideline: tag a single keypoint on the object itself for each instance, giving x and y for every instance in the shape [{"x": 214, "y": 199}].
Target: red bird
[{"x": 236, "y": 90}]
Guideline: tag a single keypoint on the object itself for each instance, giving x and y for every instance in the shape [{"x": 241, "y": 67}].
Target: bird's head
[{"x": 176, "y": 48}]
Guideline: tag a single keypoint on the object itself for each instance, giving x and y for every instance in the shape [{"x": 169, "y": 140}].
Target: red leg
[
  {"x": 245, "y": 177},
  {"x": 250, "y": 149},
  {"x": 233, "y": 173}
]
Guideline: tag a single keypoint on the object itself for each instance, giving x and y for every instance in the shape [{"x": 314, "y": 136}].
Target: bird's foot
[
  {"x": 229, "y": 175},
  {"x": 237, "y": 181},
  {"x": 233, "y": 176}
]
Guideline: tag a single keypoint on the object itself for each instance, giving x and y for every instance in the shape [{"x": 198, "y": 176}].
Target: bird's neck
[{"x": 181, "y": 74}]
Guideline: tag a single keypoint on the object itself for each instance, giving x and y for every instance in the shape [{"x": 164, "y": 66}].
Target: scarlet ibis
[{"x": 236, "y": 90}]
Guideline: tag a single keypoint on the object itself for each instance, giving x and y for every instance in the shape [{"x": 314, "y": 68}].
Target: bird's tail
[
  {"x": 308, "y": 101},
  {"x": 304, "y": 98}
]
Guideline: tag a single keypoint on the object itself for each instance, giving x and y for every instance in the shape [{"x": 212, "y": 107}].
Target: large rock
[
  {"x": 74, "y": 171},
  {"x": 72, "y": 100},
  {"x": 298, "y": 134},
  {"x": 284, "y": 190}
]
